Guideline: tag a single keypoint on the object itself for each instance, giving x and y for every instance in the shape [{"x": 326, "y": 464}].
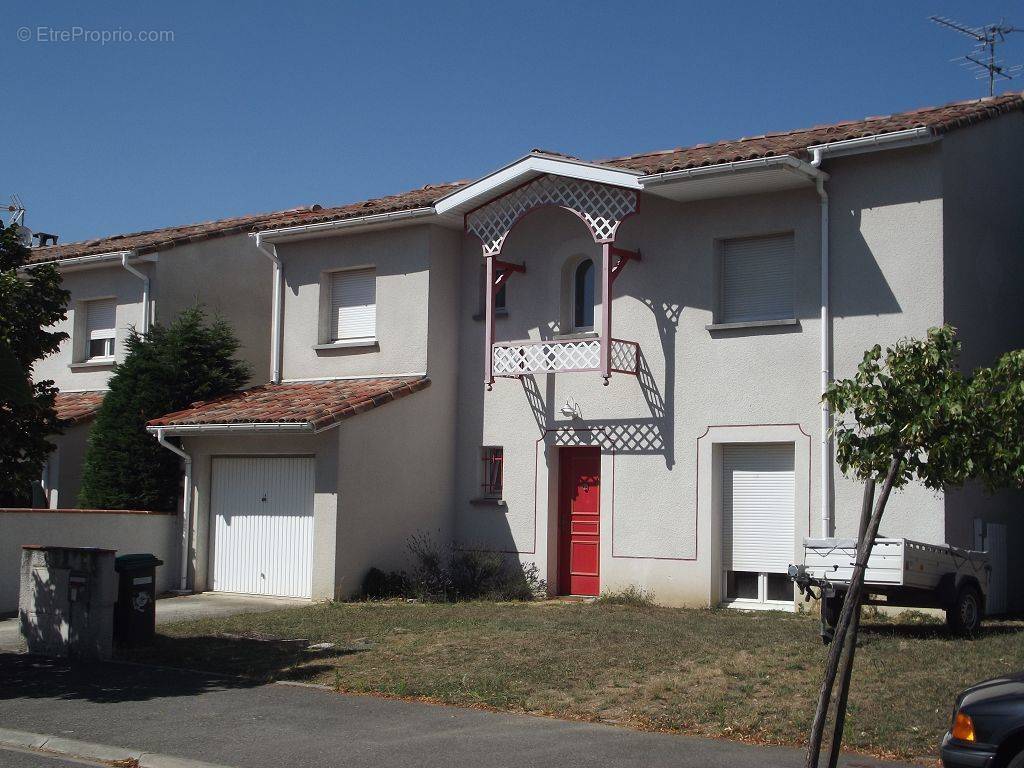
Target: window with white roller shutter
[
  {"x": 100, "y": 328},
  {"x": 353, "y": 295},
  {"x": 757, "y": 279},
  {"x": 758, "y": 521}
]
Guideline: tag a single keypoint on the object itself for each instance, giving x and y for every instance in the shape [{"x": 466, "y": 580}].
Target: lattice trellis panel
[
  {"x": 549, "y": 357},
  {"x": 511, "y": 359},
  {"x": 601, "y": 207},
  {"x": 624, "y": 356}
]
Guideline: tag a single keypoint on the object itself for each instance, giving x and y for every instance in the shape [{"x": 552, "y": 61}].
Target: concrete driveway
[
  {"x": 181, "y": 608},
  {"x": 188, "y": 716}
]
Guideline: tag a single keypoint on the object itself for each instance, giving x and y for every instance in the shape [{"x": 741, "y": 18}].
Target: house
[
  {"x": 129, "y": 281},
  {"x": 611, "y": 370}
]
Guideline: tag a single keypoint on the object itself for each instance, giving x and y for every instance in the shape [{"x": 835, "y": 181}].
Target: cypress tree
[{"x": 164, "y": 371}]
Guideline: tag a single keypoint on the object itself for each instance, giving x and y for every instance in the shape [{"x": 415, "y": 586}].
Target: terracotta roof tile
[
  {"x": 416, "y": 198},
  {"x": 162, "y": 239},
  {"x": 77, "y": 407},
  {"x": 319, "y": 404},
  {"x": 938, "y": 119},
  {"x": 159, "y": 239}
]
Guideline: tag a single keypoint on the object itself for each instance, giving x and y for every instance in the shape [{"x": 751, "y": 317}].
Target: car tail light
[{"x": 963, "y": 727}]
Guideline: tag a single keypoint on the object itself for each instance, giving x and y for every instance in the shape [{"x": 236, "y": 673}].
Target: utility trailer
[{"x": 901, "y": 573}]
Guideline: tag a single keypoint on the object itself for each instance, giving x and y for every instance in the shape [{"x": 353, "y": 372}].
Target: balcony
[{"x": 519, "y": 358}]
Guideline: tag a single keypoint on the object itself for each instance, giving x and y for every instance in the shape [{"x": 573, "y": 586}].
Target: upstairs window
[
  {"x": 500, "y": 299},
  {"x": 757, "y": 279},
  {"x": 583, "y": 296},
  {"x": 100, "y": 329},
  {"x": 353, "y": 315},
  {"x": 493, "y": 461}
]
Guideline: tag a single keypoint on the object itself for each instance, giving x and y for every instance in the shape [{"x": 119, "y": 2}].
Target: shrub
[
  {"x": 631, "y": 595},
  {"x": 378, "y": 585},
  {"x": 450, "y": 574}
]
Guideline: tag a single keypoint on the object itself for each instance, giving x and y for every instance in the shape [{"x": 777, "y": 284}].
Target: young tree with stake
[{"x": 913, "y": 416}]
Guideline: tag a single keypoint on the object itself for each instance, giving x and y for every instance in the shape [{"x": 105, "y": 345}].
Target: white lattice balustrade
[{"x": 517, "y": 358}]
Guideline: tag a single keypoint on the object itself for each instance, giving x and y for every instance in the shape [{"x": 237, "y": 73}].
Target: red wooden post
[
  {"x": 489, "y": 323},
  {"x": 606, "y": 311}
]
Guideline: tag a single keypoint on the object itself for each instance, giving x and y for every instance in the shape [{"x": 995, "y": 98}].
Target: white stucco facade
[
  {"x": 228, "y": 276},
  {"x": 918, "y": 235}
]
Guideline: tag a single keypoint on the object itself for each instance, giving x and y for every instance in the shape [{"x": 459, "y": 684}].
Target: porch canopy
[
  {"x": 602, "y": 198},
  {"x": 291, "y": 406}
]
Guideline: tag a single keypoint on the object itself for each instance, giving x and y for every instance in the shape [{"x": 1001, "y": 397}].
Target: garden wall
[{"x": 125, "y": 531}]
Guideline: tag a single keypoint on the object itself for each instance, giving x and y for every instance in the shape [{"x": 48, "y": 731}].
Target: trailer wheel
[{"x": 964, "y": 616}]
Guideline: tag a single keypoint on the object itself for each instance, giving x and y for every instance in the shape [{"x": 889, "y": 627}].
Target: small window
[
  {"x": 583, "y": 296},
  {"x": 493, "y": 465},
  {"x": 757, "y": 587},
  {"x": 353, "y": 305},
  {"x": 757, "y": 279},
  {"x": 741, "y": 585},
  {"x": 500, "y": 297},
  {"x": 100, "y": 329}
]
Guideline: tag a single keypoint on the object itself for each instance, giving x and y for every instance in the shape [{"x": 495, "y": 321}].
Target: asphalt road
[
  {"x": 240, "y": 724},
  {"x": 16, "y": 758}
]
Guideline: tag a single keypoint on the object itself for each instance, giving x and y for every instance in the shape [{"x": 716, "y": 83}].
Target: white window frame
[
  {"x": 85, "y": 339},
  {"x": 789, "y": 314},
  {"x": 592, "y": 328},
  {"x": 329, "y": 322},
  {"x": 762, "y": 602}
]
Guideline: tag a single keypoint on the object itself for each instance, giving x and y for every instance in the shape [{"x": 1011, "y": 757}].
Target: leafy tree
[
  {"x": 915, "y": 417},
  {"x": 30, "y": 304},
  {"x": 164, "y": 371}
]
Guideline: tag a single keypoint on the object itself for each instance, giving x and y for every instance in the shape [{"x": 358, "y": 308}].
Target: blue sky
[{"x": 263, "y": 106}]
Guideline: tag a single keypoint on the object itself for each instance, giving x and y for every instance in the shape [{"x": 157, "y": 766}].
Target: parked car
[{"x": 988, "y": 726}]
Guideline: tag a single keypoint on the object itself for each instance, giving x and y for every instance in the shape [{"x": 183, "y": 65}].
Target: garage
[
  {"x": 262, "y": 510},
  {"x": 758, "y": 523}
]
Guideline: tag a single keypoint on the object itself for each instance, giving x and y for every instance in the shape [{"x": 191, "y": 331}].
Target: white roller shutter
[
  {"x": 758, "y": 507},
  {"x": 100, "y": 319},
  {"x": 263, "y": 525},
  {"x": 757, "y": 279},
  {"x": 354, "y": 304}
]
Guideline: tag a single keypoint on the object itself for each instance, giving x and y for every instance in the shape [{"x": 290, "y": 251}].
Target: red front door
[{"x": 579, "y": 522}]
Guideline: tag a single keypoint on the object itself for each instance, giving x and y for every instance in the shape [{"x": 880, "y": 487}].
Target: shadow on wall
[
  {"x": 854, "y": 266},
  {"x": 653, "y": 435}
]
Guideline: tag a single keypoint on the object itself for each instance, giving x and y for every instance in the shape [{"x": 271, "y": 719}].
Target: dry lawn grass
[{"x": 749, "y": 676}]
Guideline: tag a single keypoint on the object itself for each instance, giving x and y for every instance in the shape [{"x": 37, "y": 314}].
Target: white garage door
[
  {"x": 263, "y": 525},
  {"x": 758, "y": 507}
]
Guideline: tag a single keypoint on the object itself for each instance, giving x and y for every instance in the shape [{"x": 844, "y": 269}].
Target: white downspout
[
  {"x": 186, "y": 505},
  {"x": 826, "y": 372},
  {"x": 145, "y": 288},
  {"x": 275, "y": 315}
]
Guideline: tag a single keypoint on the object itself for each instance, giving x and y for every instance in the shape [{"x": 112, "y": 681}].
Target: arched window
[{"x": 583, "y": 296}]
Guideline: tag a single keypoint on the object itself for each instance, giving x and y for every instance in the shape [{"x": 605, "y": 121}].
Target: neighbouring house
[
  {"x": 609, "y": 369},
  {"x": 128, "y": 281}
]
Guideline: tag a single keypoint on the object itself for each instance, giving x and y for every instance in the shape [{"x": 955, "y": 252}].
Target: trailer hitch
[
  {"x": 830, "y": 596},
  {"x": 804, "y": 581}
]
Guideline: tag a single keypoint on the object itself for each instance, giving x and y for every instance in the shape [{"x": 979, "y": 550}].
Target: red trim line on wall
[{"x": 696, "y": 515}]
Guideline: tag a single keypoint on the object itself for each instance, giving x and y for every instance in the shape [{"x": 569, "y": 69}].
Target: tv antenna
[
  {"x": 17, "y": 211},
  {"x": 983, "y": 60}
]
